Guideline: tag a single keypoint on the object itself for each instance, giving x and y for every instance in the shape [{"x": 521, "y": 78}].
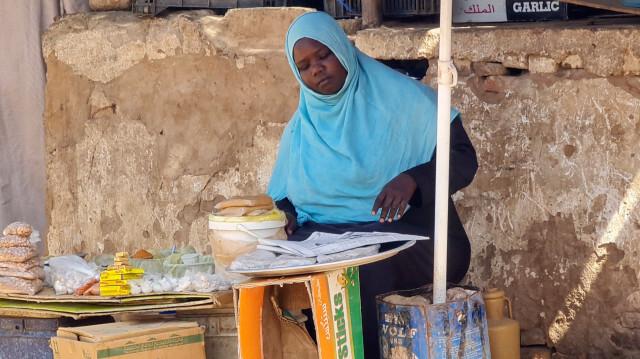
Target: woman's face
[{"x": 318, "y": 66}]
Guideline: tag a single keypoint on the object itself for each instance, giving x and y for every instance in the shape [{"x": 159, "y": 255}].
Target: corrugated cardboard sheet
[{"x": 46, "y": 303}]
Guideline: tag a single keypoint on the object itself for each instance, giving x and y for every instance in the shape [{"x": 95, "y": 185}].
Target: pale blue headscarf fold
[{"x": 339, "y": 150}]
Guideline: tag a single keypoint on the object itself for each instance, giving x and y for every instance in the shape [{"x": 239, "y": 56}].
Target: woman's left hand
[
  {"x": 292, "y": 223},
  {"x": 394, "y": 197}
]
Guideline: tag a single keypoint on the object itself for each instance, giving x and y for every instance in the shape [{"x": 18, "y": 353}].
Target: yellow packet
[
  {"x": 123, "y": 271},
  {"x": 117, "y": 282},
  {"x": 108, "y": 277},
  {"x": 115, "y": 290}
]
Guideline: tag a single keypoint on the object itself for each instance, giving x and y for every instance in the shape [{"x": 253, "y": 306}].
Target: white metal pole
[{"x": 447, "y": 78}]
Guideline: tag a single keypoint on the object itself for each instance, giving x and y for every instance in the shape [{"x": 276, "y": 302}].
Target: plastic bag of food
[
  {"x": 103, "y": 261},
  {"x": 176, "y": 257},
  {"x": 32, "y": 273},
  {"x": 200, "y": 282},
  {"x": 18, "y": 254},
  {"x": 150, "y": 266},
  {"x": 258, "y": 259},
  {"x": 14, "y": 241},
  {"x": 204, "y": 264},
  {"x": 160, "y": 253},
  {"x": 22, "y": 266},
  {"x": 20, "y": 285},
  {"x": 18, "y": 228},
  {"x": 70, "y": 272},
  {"x": 153, "y": 283}
]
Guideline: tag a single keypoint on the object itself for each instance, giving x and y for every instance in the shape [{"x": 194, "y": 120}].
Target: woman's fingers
[
  {"x": 389, "y": 208},
  {"x": 377, "y": 204},
  {"x": 396, "y": 209},
  {"x": 402, "y": 208},
  {"x": 291, "y": 227},
  {"x": 394, "y": 198},
  {"x": 389, "y": 205},
  {"x": 291, "y": 224}
]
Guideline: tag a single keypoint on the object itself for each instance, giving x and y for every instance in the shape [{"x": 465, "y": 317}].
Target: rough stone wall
[
  {"x": 553, "y": 212},
  {"x": 150, "y": 121}
]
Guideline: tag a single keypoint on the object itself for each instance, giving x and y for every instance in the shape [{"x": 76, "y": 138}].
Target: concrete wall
[{"x": 150, "y": 121}]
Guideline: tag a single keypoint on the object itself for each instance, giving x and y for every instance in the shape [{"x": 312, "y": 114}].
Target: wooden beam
[
  {"x": 371, "y": 13},
  {"x": 613, "y": 5}
]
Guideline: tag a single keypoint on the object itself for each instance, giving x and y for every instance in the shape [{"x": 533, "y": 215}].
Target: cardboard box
[
  {"x": 507, "y": 10},
  {"x": 266, "y": 329},
  {"x": 129, "y": 340}
]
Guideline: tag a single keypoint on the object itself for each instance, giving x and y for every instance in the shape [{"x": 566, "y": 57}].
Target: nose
[{"x": 317, "y": 68}]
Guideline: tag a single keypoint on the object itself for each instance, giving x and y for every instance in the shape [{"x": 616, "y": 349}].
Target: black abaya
[{"x": 411, "y": 268}]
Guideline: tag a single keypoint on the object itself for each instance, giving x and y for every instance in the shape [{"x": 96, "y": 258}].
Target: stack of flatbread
[
  {"x": 245, "y": 206},
  {"x": 21, "y": 267}
]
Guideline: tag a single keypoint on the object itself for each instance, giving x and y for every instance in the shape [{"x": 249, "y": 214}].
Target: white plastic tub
[{"x": 229, "y": 237}]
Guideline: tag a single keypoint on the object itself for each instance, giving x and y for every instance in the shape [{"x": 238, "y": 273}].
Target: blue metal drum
[{"x": 456, "y": 329}]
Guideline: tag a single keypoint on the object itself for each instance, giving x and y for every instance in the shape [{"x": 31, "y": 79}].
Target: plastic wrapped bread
[
  {"x": 244, "y": 210},
  {"x": 246, "y": 201}
]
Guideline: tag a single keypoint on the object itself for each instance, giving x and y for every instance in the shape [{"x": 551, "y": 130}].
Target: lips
[{"x": 324, "y": 82}]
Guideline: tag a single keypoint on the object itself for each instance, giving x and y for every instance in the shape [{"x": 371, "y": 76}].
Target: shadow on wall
[
  {"x": 596, "y": 290},
  {"x": 596, "y": 295}
]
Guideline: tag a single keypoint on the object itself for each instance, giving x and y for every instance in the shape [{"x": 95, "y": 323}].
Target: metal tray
[{"x": 325, "y": 267}]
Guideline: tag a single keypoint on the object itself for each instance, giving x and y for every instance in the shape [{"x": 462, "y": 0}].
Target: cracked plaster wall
[
  {"x": 553, "y": 213},
  {"x": 149, "y": 121}
]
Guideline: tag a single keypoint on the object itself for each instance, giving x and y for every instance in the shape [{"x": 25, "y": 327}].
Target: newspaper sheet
[{"x": 327, "y": 243}]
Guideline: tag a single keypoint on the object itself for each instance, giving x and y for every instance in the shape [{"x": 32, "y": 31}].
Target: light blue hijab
[{"x": 339, "y": 150}]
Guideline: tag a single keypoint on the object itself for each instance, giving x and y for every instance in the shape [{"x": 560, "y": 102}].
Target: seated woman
[{"x": 358, "y": 155}]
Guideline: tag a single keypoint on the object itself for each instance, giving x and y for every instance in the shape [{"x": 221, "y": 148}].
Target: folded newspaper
[{"x": 327, "y": 243}]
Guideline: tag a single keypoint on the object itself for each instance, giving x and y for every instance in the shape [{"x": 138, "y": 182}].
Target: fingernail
[
  {"x": 381, "y": 220},
  {"x": 390, "y": 220},
  {"x": 373, "y": 213}
]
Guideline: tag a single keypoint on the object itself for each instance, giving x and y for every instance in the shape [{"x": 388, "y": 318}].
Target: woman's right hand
[
  {"x": 292, "y": 224},
  {"x": 394, "y": 197}
]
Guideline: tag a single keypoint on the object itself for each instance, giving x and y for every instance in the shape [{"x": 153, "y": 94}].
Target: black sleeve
[
  {"x": 463, "y": 165},
  {"x": 287, "y": 207}
]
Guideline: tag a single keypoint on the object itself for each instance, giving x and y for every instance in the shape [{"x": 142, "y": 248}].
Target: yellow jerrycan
[{"x": 504, "y": 333}]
